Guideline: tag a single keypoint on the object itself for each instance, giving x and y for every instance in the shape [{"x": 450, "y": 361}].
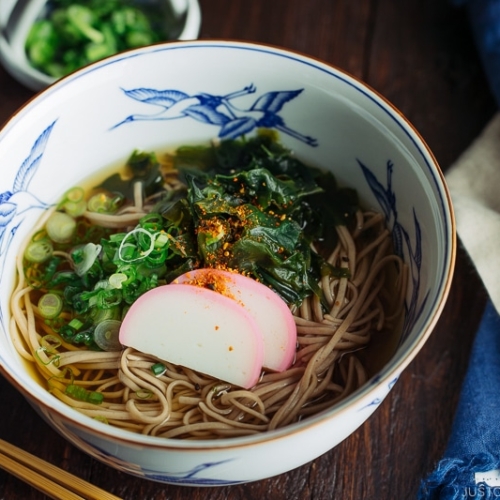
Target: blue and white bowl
[{"x": 192, "y": 92}]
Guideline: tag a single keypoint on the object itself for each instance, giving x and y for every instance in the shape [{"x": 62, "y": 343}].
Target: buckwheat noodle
[{"x": 182, "y": 403}]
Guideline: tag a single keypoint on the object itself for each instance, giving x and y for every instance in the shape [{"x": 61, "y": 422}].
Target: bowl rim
[{"x": 387, "y": 376}]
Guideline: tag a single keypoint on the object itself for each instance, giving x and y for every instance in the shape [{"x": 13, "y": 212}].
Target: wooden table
[{"x": 420, "y": 55}]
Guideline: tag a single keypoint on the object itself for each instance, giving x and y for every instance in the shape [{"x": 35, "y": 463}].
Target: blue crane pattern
[
  {"x": 220, "y": 111},
  {"x": 16, "y": 202},
  {"x": 412, "y": 254}
]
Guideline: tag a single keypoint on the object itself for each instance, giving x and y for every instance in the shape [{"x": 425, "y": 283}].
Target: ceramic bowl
[
  {"x": 95, "y": 117},
  {"x": 13, "y": 56}
]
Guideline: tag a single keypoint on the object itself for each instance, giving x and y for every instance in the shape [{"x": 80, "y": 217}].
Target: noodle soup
[{"x": 249, "y": 207}]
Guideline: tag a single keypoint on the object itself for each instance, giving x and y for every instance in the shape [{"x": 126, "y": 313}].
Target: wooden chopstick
[
  {"x": 41, "y": 483},
  {"x": 51, "y": 480}
]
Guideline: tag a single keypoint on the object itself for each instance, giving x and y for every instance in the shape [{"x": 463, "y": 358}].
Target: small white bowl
[
  {"x": 334, "y": 121},
  {"x": 13, "y": 55}
]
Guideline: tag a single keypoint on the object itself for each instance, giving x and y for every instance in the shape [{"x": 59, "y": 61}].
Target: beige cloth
[{"x": 474, "y": 183}]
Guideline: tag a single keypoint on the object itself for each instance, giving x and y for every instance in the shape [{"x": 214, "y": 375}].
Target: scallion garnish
[
  {"x": 50, "y": 305},
  {"x": 144, "y": 393},
  {"x": 75, "y": 208},
  {"x": 116, "y": 280},
  {"x": 99, "y": 315},
  {"x": 39, "y": 251},
  {"x": 53, "y": 358},
  {"x": 128, "y": 252},
  {"x": 102, "y": 419},
  {"x": 85, "y": 257},
  {"x": 48, "y": 345},
  {"x": 82, "y": 394},
  {"x": 74, "y": 194},
  {"x": 74, "y": 34},
  {"x": 75, "y": 323},
  {"x": 158, "y": 369},
  {"x": 106, "y": 335},
  {"x": 105, "y": 203},
  {"x": 60, "y": 227}
]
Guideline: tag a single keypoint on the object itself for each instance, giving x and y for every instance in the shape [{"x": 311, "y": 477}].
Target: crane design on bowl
[{"x": 233, "y": 122}]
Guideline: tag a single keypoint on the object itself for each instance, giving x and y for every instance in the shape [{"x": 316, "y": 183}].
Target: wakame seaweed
[{"x": 257, "y": 209}]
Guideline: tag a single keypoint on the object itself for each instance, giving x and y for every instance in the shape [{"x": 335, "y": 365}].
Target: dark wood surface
[{"x": 420, "y": 55}]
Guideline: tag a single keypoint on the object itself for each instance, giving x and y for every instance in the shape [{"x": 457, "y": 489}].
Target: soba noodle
[{"x": 181, "y": 403}]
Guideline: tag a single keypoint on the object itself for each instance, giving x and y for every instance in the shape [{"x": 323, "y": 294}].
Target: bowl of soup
[{"x": 213, "y": 253}]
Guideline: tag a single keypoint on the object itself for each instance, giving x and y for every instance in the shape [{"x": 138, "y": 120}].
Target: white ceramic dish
[
  {"x": 96, "y": 116},
  {"x": 13, "y": 56}
]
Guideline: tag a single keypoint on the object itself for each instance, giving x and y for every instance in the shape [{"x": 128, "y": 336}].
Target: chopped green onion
[
  {"x": 97, "y": 203},
  {"x": 76, "y": 33},
  {"x": 102, "y": 419},
  {"x": 50, "y": 342},
  {"x": 126, "y": 257},
  {"x": 162, "y": 239},
  {"x": 144, "y": 393},
  {"x": 82, "y": 19},
  {"x": 73, "y": 194},
  {"x": 86, "y": 258},
  {"x": 127, "y": 252},
  {"x": 56, "y": 323},
  {"x": 117, "y": 238},
  {"x": 48, "y": 345},
  {"x": 152, "y": 222},
  {"x": 117, "y": 279},
  {"x": 99, "y": 315},
  {"x": 60, "y": 227},
  {"x": 106, "y": 335},
  {"x": 138, "y": 39},
  {"x": 158, "y": 369},
  {"x": 53, "y": 358},
  {"x": 156, "y": 258},
  {"x": 82, "y": 394},
  {"x": 75, "y": 323},
  {"x": 50, "y": 305},
  {"x": 108, "y": 298},
  {"x": 104, "y": 202},
  {"x": 101, "y": 285},
  {"x": 75, "y": 208},
  {"x": 39, "y": 251}
]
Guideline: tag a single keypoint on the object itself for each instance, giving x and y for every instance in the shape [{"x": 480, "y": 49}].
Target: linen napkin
[{"x": 470, "y": 467}]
